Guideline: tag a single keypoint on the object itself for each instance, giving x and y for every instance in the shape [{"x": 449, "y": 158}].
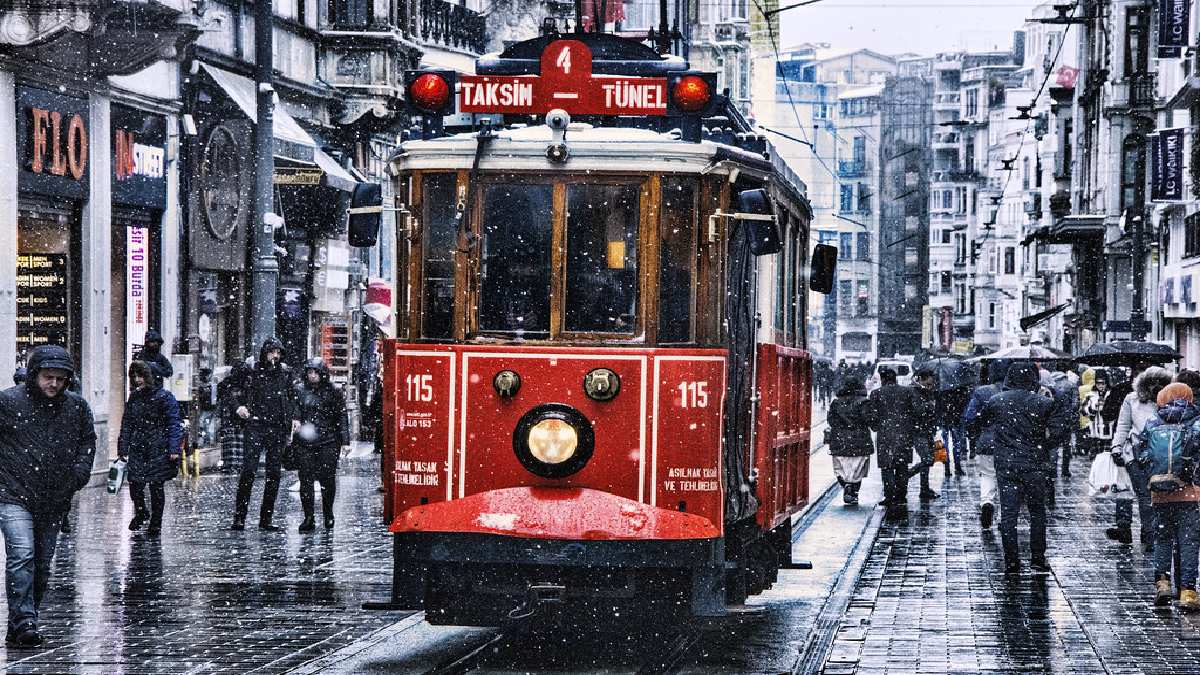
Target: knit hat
[{"x": 1174, "y": 392}]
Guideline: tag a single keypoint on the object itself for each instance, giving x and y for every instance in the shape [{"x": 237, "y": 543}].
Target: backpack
[{"x": 1164, "y": 456}]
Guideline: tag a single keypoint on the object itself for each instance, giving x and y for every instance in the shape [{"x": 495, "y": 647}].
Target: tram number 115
[
  {"x": 693, "y": 394},
  {"x": 419, "y": 387}
]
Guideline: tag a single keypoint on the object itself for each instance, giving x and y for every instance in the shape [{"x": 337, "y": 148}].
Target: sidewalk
[
  {"x": 206, "y": 599},
  {"x": 932, "y": 598}
]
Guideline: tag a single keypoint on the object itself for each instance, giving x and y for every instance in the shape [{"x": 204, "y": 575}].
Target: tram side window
[
  {"x": 515, "y": 269},
  {"x": 602, "y": 258},
  {"x": 676, "y": 286},
  {"x": 437, "y": 245}
]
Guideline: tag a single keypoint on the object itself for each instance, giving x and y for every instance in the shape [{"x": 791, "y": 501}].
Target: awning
[
  {"x": 335, "y": 175},
  {"x": 1032, "y": 320},
  {"x": 291, "y": 140},
  {"x": 1072, "y": 229},
  {"x": 1187, "y": 96}
]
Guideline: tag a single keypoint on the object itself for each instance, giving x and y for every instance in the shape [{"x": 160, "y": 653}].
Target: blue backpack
[{"x": 1164, "y": 458}]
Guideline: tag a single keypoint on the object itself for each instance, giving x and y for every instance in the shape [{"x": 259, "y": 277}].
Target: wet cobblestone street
[
  {"x": 204, "y": 598},
  {"x": 932, "y": 598}
]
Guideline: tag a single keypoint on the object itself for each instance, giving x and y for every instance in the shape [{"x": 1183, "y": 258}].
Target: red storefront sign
[{"x": 566, "y": 82}]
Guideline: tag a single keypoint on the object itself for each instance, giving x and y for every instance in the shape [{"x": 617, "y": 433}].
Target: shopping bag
[
  {"x": 1106, "y": 480},
  {"x": 940, "y": 455},
  {"x": 116, "y": 475}
]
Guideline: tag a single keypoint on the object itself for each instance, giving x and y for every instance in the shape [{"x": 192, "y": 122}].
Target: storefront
[{"x": 53, "y": 183}]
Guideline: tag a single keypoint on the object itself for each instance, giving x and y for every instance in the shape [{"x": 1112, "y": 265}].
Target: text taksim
[{"x": 495, "y": 94}]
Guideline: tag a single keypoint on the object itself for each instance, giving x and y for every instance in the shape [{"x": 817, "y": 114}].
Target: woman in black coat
[
  {"x": 151, "y": 434},
  {"x": 324, "y": 430},
  {"x": 849, "y": 436}
]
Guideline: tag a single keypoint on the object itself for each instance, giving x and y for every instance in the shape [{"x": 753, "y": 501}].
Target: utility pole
[{"x": 264, "y": 269}]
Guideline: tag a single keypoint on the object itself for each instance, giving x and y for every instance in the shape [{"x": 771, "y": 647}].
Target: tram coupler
[{"x": 539, "y": 598}]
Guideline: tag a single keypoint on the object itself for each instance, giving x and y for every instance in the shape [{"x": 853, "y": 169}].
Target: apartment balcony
[
  {"x": 947, "y": 101},
  {"x": 854, "y": 168},
  {"x": 366, "y": 54},
  {"x": 955, "y": 176},
  {"x": 946, "y": 140},
  {"x": 1136, "y": 93},
  {"x": 100, "y": 37}
]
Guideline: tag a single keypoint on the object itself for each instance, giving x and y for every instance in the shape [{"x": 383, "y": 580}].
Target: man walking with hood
[
  {"x": 268, "y": 404},
  {"x": 47, "y": 443},
  {"x": 1024, "y": 428},
  {"x": 983, "y": 441},
  {"x": 895, "y": 412},
  {"x": 151, "y": 354}
]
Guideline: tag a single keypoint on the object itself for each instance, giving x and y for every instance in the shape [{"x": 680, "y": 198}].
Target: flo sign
[{"x": 53, "y": 143}]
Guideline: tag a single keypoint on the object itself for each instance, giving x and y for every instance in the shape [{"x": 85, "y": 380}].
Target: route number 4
[
  {"x": 419, "y": 387},
  {"x": 564, "y": 60},
  {"x": 693, "y": 394}
]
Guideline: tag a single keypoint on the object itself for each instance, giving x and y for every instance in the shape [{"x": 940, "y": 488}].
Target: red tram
[{"x": 599, "y": 393}]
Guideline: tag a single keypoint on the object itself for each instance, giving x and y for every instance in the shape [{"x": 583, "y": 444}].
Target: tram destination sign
[{"x": 566, "y": 82}]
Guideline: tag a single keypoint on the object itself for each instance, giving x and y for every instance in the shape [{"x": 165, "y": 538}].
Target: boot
[
  {"x": 1119, "y": 534},
  {"x": 850, "y": 494},
  {"x": 308, "y": 525},
  {"x": 928, "y": 495},
  {"x": 1039, "y": 564},
  {"x": 1163, "y": 594},
  {"x": 266, "y": 526},
  {"x": 139, "y": 518},
  {"x": 1188, "y": 601},
  {"x": 329, "y": 521},
  {"x": 986, "y": 513}
]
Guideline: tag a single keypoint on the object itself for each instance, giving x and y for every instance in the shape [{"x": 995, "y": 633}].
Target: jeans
[
  {"x": 29, "y": 542},
  {"x": 1140, "y": 478},
  {"x": 259, "y": 440},
  {"x": 1030, "y": 487},
  {"x": 137, "y": 494},
  {"x": 1177, "y": 523},
  {"x": 955, "y": 439},
  {"x": 986, "y": 466}
]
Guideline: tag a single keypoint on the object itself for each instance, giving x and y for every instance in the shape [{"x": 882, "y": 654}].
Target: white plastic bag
[
  {"x": 1106, "y": 480},
  {"x": 116, "y": 475}
]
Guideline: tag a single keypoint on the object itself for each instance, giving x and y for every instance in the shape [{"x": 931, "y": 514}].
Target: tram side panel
[{"x": 782, "y": 432}]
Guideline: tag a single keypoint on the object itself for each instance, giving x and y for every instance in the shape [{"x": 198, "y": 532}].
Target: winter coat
[
  {"x": 1023, "y": 422},
  {"x": 1186, "y": 414},
  {"x": 229, "y": 395},
  {"x": 46, "y": 445},
  {"x": 982, "y": 439},
  {"x": 1065, "y": 392},
  {"x": 1093, "y": 412},
  {"x": 323, "y": 420},
  {"x": 895, "y": 414},
  {"x": 269, "y": 393},
  {"x": 151, "y": 431},
  {"x": 849, "y": 420},
  {"x": 1131, "y": 421},
  {"x": 159, "y": 364},
  {"x": 951, "y": 404}
]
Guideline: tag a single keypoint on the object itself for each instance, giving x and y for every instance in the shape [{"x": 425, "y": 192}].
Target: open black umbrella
[
  {"x": 1127, "y": 353},
  {"x": 952, "y": 373}
]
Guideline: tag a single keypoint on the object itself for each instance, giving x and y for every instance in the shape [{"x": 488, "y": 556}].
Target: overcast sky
[{"x": 896, "y": 26}]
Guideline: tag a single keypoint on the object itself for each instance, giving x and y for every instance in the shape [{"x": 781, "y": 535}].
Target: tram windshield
[
  {"x": 602, "y": 260},
  {"x": 517, "y": 236}
]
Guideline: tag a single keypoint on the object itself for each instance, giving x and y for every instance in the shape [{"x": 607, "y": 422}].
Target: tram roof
[{"x": 594, "y": 149}]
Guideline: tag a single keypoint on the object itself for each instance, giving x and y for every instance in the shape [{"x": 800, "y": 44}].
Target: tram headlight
[{"x": 553, "y": 440}]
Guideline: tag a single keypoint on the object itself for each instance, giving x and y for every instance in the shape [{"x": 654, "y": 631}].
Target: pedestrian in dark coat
[
  {"x": 1024, "y": 428},
  {"x": 233, "y": 427},
  {"x": 47, "y": 444},
  {"x": 151, "y": 354},
  {"x": 150, "y": 440},
  {"x": 951, "y": 404},
  {"x": 925, "y": 389},
  {"x": 268, "y": 405},
  {"x": 895, "y": 411},
  {"x": 983, "y": 441},
  {"x": 849, "y": 437},
  {"x": 324, "y": 431}
]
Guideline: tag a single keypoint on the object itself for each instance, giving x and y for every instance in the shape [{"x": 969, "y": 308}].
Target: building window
[
  {"x": 1132, "y": 170},
  {"x": 991, "y": 320},
  {"x": 946, "y": 281},
  {"x": 864, "y": 246},
  {"x": 846, "y": 198},
  {"x": 845, "y": 291},
  {"x": 1191, "y": 236},
  {"x": 1010, "y": 260},
  {"x": 1025, "y": 173},
  {"x": 972, "y": 103},
  {"x": 946, "y": 234},
  {"x": 960, "y": 247},
  {"x": 846, "y": 241},
  {"x": 1137, "y": 37},
  {"x": 864, "y": 298},
  {"x": 860, "y": 150},
  {"x": 864, "y": 198}
]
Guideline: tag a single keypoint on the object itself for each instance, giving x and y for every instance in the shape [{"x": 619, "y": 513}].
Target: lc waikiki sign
[
  {"x": 1166, "y": 165},
  {"x": 53, "y": 140}
]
